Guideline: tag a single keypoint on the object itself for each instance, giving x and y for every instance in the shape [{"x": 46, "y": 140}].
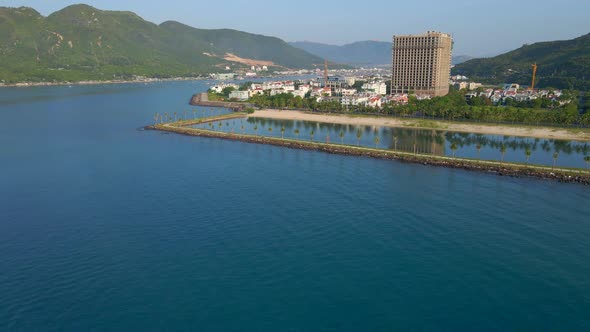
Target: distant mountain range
[
  {"x": 363, "y": 53},
  {"x": 562, "y": 64},
  {"x": 81, "y": 43}
]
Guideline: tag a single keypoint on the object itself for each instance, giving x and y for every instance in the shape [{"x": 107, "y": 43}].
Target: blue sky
[{"x": 480, "y": 28}]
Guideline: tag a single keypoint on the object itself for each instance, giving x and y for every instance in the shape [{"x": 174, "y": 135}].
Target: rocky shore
[{"x": 501, "y": 169}]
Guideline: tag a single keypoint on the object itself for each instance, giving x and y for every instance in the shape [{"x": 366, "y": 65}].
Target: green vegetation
[
  {"x": 83, "y": 43},
  {"x": 562, "y": 64},
  {"x": 451, "y": 107}
]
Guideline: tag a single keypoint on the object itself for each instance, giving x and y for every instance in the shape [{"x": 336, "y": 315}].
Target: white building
[
  {"x": 219, "y": 87},
  {"x": 379, "y": 88},
  {"x": 374, "y": 101},
  {"x": 299, "y": 93},
  {"x": 354, "y": 100},
  {"x": 348, "y": 92},
  {"x": 240, "y": 95}
]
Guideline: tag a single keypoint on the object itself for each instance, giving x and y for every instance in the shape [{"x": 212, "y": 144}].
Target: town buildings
[{"x": 422, "y": 64}]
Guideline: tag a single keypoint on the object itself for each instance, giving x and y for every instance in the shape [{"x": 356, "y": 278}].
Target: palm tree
[
  {"x": 296, "y": 131},
  {"x": 555, "y": 156},
  {"x": 376, "y": 140},
  {"x": 503, "y": 151},
  {"x": 395, "y": 142},
  {"x": 270, "y": 130},
  {"x": 527, "y": 153},
  {"x": 243, "y": 129},
  {"x": 256, "y": 129},
  {"x": 166, "y": 116},
  {"x": 156, "y": 117},
  {"x": 283, "y": 132},
  {"x": 359, "y": 134},
  {"x": 478, "y": 148},
  {"x": 587, "y": 160},
  {"x": 311, "y": 133},
  {"x": 341, "y": 134},
  {"x": 220, "y": 125},
  {"x": 454, "y": 148},
  {"x": 175, "y": 116}
]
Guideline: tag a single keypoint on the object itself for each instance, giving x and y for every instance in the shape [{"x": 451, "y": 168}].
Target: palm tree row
[{"x": 158, "y": 118}]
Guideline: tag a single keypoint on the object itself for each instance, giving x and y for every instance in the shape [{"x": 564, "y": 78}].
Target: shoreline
[
  {"x": 515, "y": 170},
  {"x": 475, "y": 128},
  {"x": 90, "y": 82}
]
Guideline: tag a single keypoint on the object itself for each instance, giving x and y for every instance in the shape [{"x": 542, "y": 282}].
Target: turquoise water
[
  {"x": 108, "y": 228},
  {"x": 569, "y": 153}
]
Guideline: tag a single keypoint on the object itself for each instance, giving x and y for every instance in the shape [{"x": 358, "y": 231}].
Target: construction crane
[
  {"x": 535, "y": 67},
  {"x": 325, "y": 73}
]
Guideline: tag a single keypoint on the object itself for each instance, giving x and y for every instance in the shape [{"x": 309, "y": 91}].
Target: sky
[{"x": 480, "y": 28}]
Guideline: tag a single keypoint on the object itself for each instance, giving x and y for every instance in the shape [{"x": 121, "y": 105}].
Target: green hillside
[
  {"x": 83, "y": 43},
  {"x": 562, "y": 64}
]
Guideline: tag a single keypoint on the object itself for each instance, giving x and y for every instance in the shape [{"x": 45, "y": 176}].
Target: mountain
[
  {"x": 562, "y": 64},
  {"x": 80, "y": 42},
  {"x": 459, "y": 59},
  {"x": 364, "y": 53}
]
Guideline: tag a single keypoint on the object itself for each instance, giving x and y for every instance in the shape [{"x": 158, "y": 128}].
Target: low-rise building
[
  {"x": 240, "y": 95},
  {"x": 218, "y": 88},
  {"x": 355, "y": 100},
  {"x": 379, "y": 88}
]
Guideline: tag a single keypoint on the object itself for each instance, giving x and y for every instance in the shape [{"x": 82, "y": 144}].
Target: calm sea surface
[{"x": 107, "y": 228}]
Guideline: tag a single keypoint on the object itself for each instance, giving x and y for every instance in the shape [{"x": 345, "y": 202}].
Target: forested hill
[
  {"x": 81, "y": 43},
  {"x": 562, "y": 64}
]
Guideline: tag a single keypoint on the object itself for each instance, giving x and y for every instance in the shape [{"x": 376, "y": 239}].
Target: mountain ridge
[
  {"x": 361, "y": 53},
  {"x": 80, "y": 42},
  {"x": 562, "y": 64}
]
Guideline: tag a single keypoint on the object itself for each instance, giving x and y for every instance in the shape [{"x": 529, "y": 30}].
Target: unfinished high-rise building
[{"x": 422, "y": 64}]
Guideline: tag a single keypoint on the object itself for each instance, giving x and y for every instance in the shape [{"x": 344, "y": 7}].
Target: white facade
[
  {"x": 219, "y": 87},
  {"x": 240, "y": 95},
  {"x": 299, "y": 93},
  {"x": 379, "y": 88},
  {"x": 348, "y": 92},
  {"x": 354, "y": 100}
]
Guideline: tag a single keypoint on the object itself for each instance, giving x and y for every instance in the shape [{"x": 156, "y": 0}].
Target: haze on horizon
[{"x": 479, "y": 29}]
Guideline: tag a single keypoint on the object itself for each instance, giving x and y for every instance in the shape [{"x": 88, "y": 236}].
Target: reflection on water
[{"x": 465, "y": 145}]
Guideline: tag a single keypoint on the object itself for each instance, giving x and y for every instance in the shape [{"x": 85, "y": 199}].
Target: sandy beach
[{"x": 491, "y": 129}]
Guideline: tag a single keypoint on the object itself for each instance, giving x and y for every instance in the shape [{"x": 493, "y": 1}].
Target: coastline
[
  {"x": 516, "y": 170},
  {"x": 146, "y": 80},
  {"x": 488, "y": 129}
]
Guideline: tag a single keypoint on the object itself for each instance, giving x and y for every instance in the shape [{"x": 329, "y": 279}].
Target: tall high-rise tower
[{"x": 422, "y": 64}]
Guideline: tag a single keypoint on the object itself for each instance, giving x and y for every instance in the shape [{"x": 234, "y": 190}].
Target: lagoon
[{"x": 423, "y": 141}]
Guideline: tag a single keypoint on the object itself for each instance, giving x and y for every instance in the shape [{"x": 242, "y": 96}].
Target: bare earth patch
[{"x": 249, "y": 62}]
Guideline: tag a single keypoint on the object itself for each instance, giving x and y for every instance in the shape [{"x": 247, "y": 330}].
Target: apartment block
[{"x": 422, "y": 64}]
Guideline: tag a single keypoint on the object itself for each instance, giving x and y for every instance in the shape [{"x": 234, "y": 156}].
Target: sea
[{"x": 108, "y": 227}]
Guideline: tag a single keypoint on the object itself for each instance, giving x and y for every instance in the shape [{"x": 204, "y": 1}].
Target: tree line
[{"x": 454, "y": 106}]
